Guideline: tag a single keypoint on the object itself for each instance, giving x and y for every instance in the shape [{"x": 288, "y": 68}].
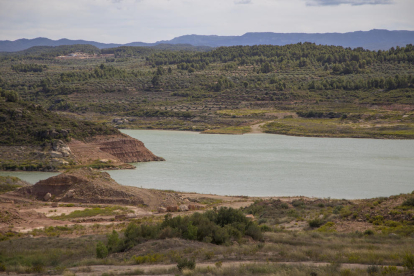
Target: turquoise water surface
[{"x": 268, "y": 165}]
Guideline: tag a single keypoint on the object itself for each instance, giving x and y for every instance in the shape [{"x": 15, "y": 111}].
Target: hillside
[
  {"x": 297, "y": 89},
  {"x": 372, "y": 40},
  {"x": 32, "y": 138}
]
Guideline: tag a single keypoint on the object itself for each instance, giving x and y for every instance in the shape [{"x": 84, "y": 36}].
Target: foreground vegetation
[{"x": 363, "y": 237}]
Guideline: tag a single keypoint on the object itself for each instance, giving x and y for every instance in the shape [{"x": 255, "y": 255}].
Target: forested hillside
[
  {"x": 24, "y": 123},
  {"x": 297, "y": 89}
]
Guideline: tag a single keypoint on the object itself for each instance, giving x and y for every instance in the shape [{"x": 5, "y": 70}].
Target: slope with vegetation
[
  {"x": 271, "y": 236},
  {"x": 298, "y": 89},
  {"x": 10, "y": 183},
  {"x": 289, "y": 236},
  {"x": 33, "y": 138}
]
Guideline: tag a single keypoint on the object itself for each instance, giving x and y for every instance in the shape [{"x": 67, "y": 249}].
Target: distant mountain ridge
[{"x": 372, "y": 40}]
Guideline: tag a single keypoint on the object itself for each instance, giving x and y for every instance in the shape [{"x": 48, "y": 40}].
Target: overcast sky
[{"x": 123, "y": 21}]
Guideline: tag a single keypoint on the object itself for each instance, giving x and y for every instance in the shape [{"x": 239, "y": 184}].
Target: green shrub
[
  {"x": 327, "y": 227},
  {"x": 38, "y": 266},
  {"x": 314, "y": 223},
  {"x": 377, "y": 220},
  {"x": 368, "y": 232},
  {"x": 337, "y": 209},
  {"x": 214, "y": 226},
  {"x": 101, "y": 250},
  {"x": 192, "y": 232},
  {"x": 391, "y": 223},
  {"x": 261, "y": 221},
  {"x": 392, "y": 270},
  {"x": 151, "y": 258},
  {"x": 298, "y": 203},
  {"x": 185, "y": 263},
  {"x": 226, "y": 216},
  {"x": 409, "y": 202},
  {"x": 373, "y": 269},
  {"x": 408, "y": 261},
  {"x": 254, "y": 231},
  {"x": 113, "y": 242},
  {"x": 395, "y": 213},
  {"x": 345, "y": 212},
  {"x": 221, "y": 236},
  {"x": 292, "y": 213},
  {"x": 284, "y": 206},
  {"x": 265, "y": 228}
]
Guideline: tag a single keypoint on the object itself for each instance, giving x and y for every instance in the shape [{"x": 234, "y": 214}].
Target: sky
[{"x": 124, "y": 21}]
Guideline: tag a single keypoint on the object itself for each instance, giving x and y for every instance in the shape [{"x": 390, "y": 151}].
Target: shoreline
[
  {"x": 270, "y": 133},
  {"x": 214, "y": 195}
]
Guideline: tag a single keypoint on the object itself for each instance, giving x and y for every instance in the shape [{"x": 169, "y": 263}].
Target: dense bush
[
  {"x": 159, "y": 113},
  {"x": 185, "y": 263},
  {"x": 316, "y": 114},
  {"x": 368, "y": 232},
  {"x": 409, "y": 202},
  {"x": 216, "y": 226},
  {"x": 408, "y": 261},
  {"x": 314, "y": 223},
  {"x": 10, "y": 96},
  {"x": 101, "y": 250},
  {"x": 28, "y": 68}
]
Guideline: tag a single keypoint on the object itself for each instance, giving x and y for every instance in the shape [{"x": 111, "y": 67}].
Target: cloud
[
  {"x": 124, "y": 21},
  {"x": 350, "y": 2},
  {"x": 241, "y": 2}
]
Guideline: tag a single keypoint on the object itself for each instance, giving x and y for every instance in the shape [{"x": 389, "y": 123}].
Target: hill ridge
[{"x": 375, "y": 39}]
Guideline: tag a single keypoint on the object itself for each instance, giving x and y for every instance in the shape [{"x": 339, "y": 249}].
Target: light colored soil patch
[
  {"x": 257, "y": 128},
  {"x": 237, "y": 204},
  {"x": 57, "y": 211},
  {"x": 26, "y": 219},
  {"x": 216, "y": 197},
  {"x": 139, "y": 211},
  {"x": 87, "y": 152},
  {"x": 351, "y": 226}
]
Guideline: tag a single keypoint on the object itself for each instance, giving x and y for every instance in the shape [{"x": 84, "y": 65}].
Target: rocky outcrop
[
  {"x": 172, "y": 208},
  {"x": 86, "y": 185},
  {"x": 112, "y": 150},
  {"x": 61, "y": 148},
  {"x": 53, "y": 134},
  {"x": 128, "y": 150},
  {"x": 183, "y": 208},
  {"x": 82, "y": 186},
  {"x": 162, "y": 210},
  {"x": 47, "y": 197}
]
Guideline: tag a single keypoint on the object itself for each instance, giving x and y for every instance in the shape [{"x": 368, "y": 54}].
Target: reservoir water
[{"x": 271, "y": 165}]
